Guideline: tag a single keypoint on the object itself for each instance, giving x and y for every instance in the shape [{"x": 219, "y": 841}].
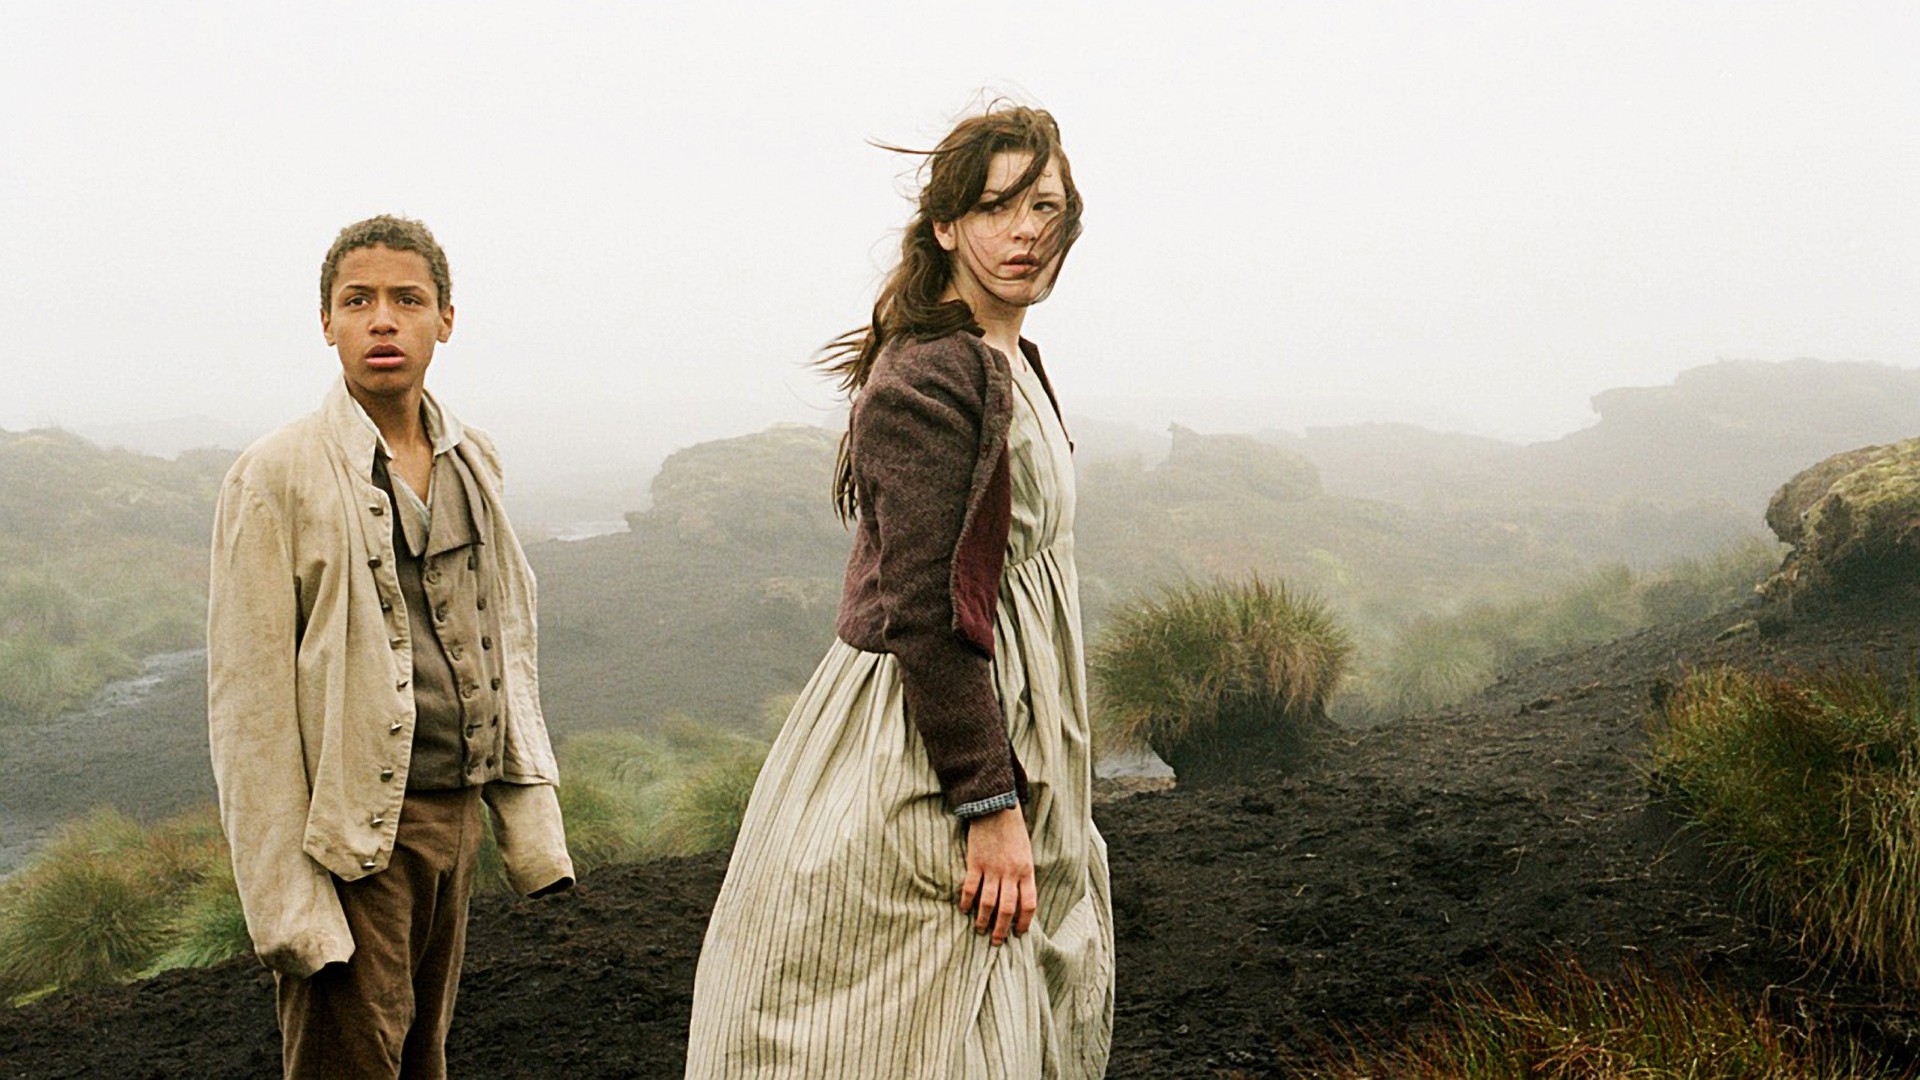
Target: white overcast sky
[{"x": 1472, "y": 216}]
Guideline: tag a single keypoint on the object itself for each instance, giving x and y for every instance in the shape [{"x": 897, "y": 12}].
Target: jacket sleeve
[
  {"x": 532, "y": 839},
  {"x": 916, "y": 439},
  {"x": 293, "y": 913}
]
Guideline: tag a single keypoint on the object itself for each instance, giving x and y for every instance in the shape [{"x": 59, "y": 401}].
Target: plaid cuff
[{"x": 981, "y": 807}]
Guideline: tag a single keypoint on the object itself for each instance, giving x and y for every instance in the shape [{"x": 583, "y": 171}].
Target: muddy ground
[{"x": 1259, "y": 924}]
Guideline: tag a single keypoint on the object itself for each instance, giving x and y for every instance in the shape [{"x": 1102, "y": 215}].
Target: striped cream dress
[{"x": 837, "y": 949}]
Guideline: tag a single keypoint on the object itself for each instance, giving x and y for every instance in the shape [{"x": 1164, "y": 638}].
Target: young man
[{"x": 371, "y": 679}]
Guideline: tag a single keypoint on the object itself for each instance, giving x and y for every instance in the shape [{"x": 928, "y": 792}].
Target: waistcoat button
[{"x": 367, "y": 864}]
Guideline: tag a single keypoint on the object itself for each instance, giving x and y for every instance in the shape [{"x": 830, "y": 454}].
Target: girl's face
[{"x": 1005, "y": 255}]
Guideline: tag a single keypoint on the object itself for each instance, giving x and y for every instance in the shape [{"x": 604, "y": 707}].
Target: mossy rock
[{"x": 1853, "y": 521}]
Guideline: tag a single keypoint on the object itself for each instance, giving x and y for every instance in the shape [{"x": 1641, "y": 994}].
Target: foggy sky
[{"x": 1471, "y": 216}]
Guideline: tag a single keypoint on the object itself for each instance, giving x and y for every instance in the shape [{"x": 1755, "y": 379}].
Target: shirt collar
[{"x": 444, "y": 430}]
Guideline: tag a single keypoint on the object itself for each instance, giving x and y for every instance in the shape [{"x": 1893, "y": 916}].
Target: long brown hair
[{"x": 910, "y": 301}]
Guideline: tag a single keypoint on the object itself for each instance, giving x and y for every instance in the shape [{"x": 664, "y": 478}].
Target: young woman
[{"x": 918, "y": 889}]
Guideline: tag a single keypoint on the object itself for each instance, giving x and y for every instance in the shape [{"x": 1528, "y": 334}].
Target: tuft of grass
[
  {"x": 630, "y": 796},
  {"x": 1433, "y": 664},
  {"x": 704, "y": 813},
  {"x": 33, "y": 684},
  {"x": 105, "y": 899},
  {"x": 208, "y": 926},
  {"x": 1207, "y": 667},
  {"x": 84, "y": 923},
  {"x": 1812, "y": 783},
  {"x": 1571, "y": 1025}
]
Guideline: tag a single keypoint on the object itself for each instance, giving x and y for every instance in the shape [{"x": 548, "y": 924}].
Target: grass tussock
[
  {"x": 1206, "y": 667},
  {"x": 632, "y": 796},
  {"x": 1570, "y": 1025},
  {"x": 107, "y": 899},
  {"x": 1813, "y": 784},
  {"x": 705, "y": 812}
]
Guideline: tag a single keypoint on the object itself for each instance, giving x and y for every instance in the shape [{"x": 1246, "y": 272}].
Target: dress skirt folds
[{"x": 836, "y": 948}]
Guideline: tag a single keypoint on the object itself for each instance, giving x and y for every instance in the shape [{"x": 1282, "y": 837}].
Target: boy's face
[{"x": 385, "y": 317}]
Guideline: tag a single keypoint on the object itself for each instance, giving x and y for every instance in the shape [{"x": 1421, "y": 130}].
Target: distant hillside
[
  {"x": 720, "y": 597},
  {"x": 1728, "y": 430},
  {"x": 1731, "y": 430},
  {"x": 102, "y": 560},
  {"x": 171, "y": 437}
]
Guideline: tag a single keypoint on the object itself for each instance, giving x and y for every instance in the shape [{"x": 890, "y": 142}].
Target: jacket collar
[{"x": 355, "y": 433}]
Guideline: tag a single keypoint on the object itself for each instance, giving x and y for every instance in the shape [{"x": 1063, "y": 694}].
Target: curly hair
[
  {"x": 910, "y": 301},
  {"x": 398, "y": 233}
]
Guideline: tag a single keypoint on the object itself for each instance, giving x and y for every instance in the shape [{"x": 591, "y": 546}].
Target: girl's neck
[{"x": 999, "y": 321}]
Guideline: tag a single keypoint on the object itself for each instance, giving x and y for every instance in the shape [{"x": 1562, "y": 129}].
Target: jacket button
[
  {"x": 394, "y": 729},
  {"x": 397, "y": 642},
  {"x": 466, "y": 691},
  {"x": 482, "y": 602},
  {"x": 401, "y": 685},
  {"x": 433, "y": 577},
  {"x": 495, "y": 722},
  {"x": 496, "y": 683},
  {"x": 366, "y": 864},
  {"x": 377, "y": 509},
  {"x": 374, "y": 563},
  {"x": 489, "y": 761},
  {"x": 386, "y": 776},
  {"x": 377, "y": 821},
  {"x": 440, "y": 613},
  {"x": 454, "y": 652},
  {"x": 386, "y": 607},
  {"x": 486, "y": 641}
]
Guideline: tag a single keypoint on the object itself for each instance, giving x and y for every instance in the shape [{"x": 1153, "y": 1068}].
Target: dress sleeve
[
  {"x": 293, "y": 913},
  {"x": 916, "y": 438}
]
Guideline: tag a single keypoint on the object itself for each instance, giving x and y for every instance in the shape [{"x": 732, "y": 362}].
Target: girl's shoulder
[{"x": 958, "y": 360}]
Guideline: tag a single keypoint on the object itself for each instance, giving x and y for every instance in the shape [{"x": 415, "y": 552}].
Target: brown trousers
[{"x": 385, "y": 1012}]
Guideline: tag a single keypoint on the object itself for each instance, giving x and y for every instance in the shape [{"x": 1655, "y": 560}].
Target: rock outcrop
[{"x": 1853, "y": 522}]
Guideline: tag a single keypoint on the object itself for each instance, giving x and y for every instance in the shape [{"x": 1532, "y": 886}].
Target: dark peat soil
[{"x": 1261, "y": 926}]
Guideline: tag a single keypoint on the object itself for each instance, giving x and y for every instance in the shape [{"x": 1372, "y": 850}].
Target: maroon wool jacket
[{"x": 928, "y": 446}]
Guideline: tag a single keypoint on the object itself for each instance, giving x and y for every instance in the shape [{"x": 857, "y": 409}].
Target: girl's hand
[{"x": 999, "y": 891}]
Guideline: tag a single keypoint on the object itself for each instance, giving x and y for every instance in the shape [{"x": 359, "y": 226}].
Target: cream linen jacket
[{"x": 309, "y": 699}]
